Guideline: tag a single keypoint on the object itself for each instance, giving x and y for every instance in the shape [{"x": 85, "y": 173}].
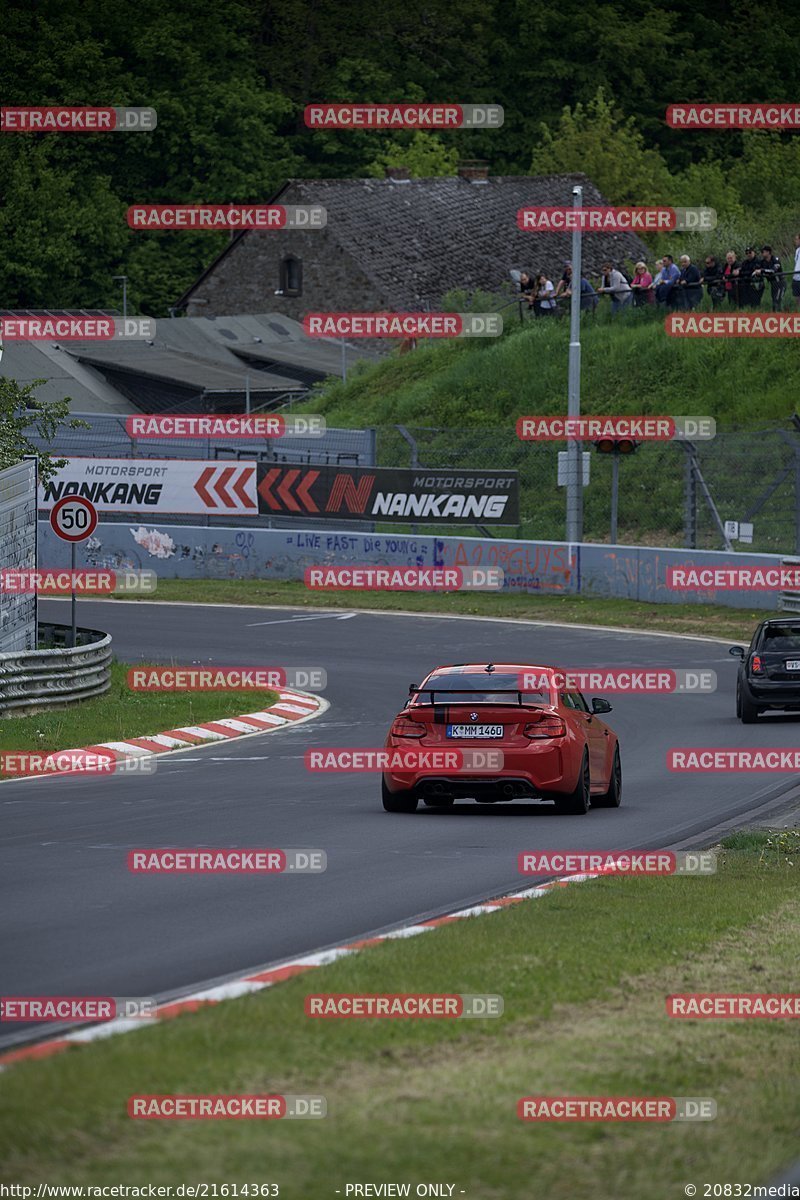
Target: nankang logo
[{"x": 442, "y": 504}]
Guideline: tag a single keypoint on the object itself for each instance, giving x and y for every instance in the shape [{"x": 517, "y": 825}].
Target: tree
[
  {"x": 424, "y": 154},
  {"x": 600, "y": 142},
  {"x": 20, "y": 412}
]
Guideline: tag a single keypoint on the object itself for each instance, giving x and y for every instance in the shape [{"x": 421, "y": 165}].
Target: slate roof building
[
  {"x": 198, "y": 365},
  {"x": 398, "y": 244}
]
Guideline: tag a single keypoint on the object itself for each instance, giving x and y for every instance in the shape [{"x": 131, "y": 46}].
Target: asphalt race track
[{"x": 76, "y": 922}]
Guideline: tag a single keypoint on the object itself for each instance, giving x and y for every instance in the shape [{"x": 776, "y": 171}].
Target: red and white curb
[
  {"x": 290, "y": 708},
  {"x": 264, "y": 977}
]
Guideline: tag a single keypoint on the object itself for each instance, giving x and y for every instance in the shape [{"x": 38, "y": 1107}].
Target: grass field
[
  {"x": 121, "y": 713},
  {"x": 713, "y": 620},
  {"x": 584, "y": 973}
]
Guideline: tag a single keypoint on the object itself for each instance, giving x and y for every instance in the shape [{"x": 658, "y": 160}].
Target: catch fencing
[{"x": 669, "y": 493}]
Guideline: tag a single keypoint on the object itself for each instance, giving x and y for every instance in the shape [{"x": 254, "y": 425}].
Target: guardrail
[{"x": 59, "y": 674}]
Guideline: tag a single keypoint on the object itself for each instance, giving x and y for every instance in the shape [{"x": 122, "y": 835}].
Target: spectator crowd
[{"x": 734, "y": 283}]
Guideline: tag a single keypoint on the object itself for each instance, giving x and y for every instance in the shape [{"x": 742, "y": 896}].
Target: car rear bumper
[
  {"x": 530, "y": 772},
  {"x": 777, "y": 693}
]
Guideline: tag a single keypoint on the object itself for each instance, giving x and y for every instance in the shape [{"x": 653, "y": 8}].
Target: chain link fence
[{"x": 669, "y": 493}]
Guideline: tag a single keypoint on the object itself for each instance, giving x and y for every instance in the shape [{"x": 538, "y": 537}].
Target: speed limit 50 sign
[{"x": 73, "y": 518}]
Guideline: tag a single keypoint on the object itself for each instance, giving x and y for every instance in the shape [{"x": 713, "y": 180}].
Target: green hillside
[{"x": 461, "y": 400}]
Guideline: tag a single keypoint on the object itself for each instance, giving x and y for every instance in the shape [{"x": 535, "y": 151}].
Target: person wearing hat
[
  {"x": 770, "y": 270},
  {"x": 751, "y": 286}
]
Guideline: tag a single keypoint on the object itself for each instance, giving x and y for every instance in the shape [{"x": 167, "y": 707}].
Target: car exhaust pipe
[{"x": 508, "y": 790}]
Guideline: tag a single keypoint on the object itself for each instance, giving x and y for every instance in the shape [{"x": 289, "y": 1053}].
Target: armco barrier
[
  {"x": 61, "y": 674},
  {"x": 547, "y": 568}
]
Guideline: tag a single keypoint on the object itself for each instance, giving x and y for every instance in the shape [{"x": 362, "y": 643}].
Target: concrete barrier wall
[{"x": 193, "y": 552}]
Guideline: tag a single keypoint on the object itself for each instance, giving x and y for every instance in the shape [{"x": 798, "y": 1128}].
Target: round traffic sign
[{"x": 73, "y": 518}]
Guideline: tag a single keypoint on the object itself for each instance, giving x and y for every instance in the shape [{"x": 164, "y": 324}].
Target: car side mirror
[
  {"x": 599, "y": 705},
  {"x": 737, "y": 651},
  {"x": 412, "y": 687}
]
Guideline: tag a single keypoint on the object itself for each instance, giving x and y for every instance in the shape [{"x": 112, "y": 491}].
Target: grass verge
[
  {"x": 121, "y": 713},
  {"x": 713, "y": 620},
  {"x": 584, "y": 973}
]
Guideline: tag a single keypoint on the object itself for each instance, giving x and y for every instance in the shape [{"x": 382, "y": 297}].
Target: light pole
[
  {"x": 124, "y": 279},
  {"x": 574, "y": 456}
]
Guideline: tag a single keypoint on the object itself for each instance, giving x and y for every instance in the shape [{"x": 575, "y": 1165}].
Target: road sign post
[{"x": 73, "y": 519}]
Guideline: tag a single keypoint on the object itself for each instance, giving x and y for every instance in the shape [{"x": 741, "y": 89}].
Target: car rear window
[
  {"x": 448, "y": 688},
  {"x": 782, "y": 637}
]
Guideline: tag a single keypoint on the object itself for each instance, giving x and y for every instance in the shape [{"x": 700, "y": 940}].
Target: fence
[{"x": 670, "y": 493}]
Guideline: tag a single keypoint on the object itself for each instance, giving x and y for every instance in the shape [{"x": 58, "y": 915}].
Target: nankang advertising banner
[
  {"x": 157, "y": 485},
  {"x": 215, "y": 488},
  {"x": 424, "y": 496}
]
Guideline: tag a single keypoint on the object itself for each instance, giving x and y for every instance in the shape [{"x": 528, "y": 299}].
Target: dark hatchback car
[{"x": 769, "y": 673}]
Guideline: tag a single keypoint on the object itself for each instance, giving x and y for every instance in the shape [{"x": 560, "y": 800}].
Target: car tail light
[
  {"x": 402, "y": 727},
  {"x": 756, "y": 666},
  {"x": 548, "y": 727}
]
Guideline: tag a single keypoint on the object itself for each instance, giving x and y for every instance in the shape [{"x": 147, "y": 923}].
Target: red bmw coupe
[{"x": 552, "y": 743}]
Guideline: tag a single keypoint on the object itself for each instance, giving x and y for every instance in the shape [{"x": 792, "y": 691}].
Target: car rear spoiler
[{"x": 415, "y": 691}]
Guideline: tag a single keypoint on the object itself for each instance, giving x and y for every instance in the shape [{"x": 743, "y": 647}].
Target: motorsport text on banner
[
  {"x": 611, "y": 219},
  {"x": 640, "y": 429},
  {"x": 402, "y": 325},
  {"x": 390, "y": 115}
]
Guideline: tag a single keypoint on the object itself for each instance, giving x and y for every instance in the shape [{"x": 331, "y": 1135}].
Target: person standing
[
  {"x": 796, "y": 275},
  {"x": 770, "y": 270},
  {"x": 730, "y": 277},
  {"x": 751, "y": 286},
  {"x": 669, "y": 277},
  {"x": 689, "y": 293},
  {"x": 544, "y": 305},
  {"x": 642, "y": 286},
  {"x": 713, "y": 280},
  {"x": 617, "y": 287}
]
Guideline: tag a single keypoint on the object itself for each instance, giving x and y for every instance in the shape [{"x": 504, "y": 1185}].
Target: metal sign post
[
  {"x": 574, "y": 472},
  {"x": 73, "y": 519}
]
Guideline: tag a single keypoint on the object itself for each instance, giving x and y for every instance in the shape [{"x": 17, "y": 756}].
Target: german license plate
[
  {"x": 474, "y": 731},
  {"x": 793, "y": 664}
]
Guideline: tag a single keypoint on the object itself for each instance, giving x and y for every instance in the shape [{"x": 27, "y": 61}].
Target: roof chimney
[
  {"x": 398, "y": 174},
  {"x": 476, "y": 170}
]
